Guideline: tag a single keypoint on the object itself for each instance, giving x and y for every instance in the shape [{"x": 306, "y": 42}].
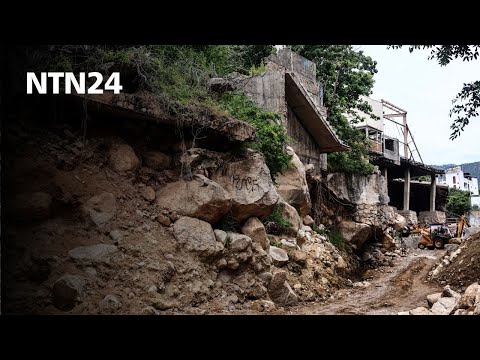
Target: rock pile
[{"x": 450, "y": 302}]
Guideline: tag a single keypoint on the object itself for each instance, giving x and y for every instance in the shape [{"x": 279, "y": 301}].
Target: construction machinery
[
  {"x": 412, "y": 230},
  {"x": 437, "y": 235}
]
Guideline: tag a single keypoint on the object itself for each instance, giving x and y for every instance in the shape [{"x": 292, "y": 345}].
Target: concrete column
[
  {"x": 405, "y": 136},
  {"x": 406, "y": 190},
  {"x": 433, "y": 191},
  {"x": 385, "y": 174}
]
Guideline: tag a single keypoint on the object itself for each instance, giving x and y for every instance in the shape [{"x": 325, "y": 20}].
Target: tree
[
  {"x": 346, "y": 74},
  {"x": 467, "y": 101},
  {"x": 458, "y": 201},
  {"x": 252, "y": 55}
]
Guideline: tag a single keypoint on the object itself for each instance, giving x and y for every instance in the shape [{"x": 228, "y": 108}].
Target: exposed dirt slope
[
  {"x": 465, "y": 268},
  {"x": 149, "y": 272}
]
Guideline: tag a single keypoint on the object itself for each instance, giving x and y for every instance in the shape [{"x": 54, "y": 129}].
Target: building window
[
  {"x": 454, "y": 179},
  {"x": 389, "y": 144}
]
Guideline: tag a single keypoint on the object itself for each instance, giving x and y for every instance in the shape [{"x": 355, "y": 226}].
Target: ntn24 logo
[{"x": 112, "y": 83}]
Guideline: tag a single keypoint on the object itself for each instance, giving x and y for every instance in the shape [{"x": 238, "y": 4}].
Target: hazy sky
[{"x": 425, "y": 90}]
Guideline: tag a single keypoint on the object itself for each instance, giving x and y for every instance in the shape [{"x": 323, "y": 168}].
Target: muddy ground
[{"x": 391, "y": 290}]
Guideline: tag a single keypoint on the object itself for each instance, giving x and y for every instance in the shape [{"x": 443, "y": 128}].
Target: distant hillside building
[{"x": 455, "y": 178}]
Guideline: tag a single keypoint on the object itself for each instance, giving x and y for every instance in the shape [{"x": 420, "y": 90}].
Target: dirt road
[{"x": 399, "y": 288}]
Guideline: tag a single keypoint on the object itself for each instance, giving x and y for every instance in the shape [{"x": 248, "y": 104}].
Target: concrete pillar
[
  {"x": 405, "y": 136},
  {"x": 385, "y": 174},
  {"x": 406, "y": 190},
  {"x": 433, "y": 191}
]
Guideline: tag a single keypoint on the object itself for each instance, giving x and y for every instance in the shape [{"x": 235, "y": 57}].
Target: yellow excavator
[{"x": 437, "y": 235}]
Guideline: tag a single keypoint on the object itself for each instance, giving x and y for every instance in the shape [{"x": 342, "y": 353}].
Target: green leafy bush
[
  {"x": 271, "y": 136},
  {"x": 277, "y": 218},
  {"x": 346, "y": 74},
  {"x": 337, "y": 239},
  {"x": 276, "y": 224},
  {"x": 458, "y": 201}
]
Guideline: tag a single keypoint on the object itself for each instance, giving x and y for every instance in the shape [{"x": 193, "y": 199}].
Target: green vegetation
[
  {"x": 319, "y": 231},
  {"x": 271, "y": 139},
  {"x": 458, "y": 201},
  {"x": 274, "y": 242},
  {"x": 277, "y": 218},
  {"x": 254, "y": 70},
  {"x": 346, "y": 74},
  {"x": 180, "y": 74},
  {"x": 337, "y": 239},
  {"x": 276, "y": 224},
  {"x": 425, "y": 178}
]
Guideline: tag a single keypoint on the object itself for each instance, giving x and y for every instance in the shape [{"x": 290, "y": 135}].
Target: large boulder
[
  {"x": 444, "y": 306},
  {"x": 31, "y": 206},
  {"x": 433, "y": 298},
  {"x": 308, "y": 221},
  {"x": 201, "y": 198},
  {"x": 420, "y": 311},
  {"x": 359, "y": 189},
  {"x": 67, "y": 291},
  {"x": 432, "y": 217},
  {"x": 279, "y": 256},
  {"x": 123, "y": 158},
  {"x": 250, "y": 186},
  {"x": 197, "y": 236},
  {"x": 292, "y": 185},
  {"x": 299, "y": 257},
  {"x": 355, "y": 233},
  {"x": 387, "y": 241},
  {"x": 256, "y": 231},
  {"x": 238, "y": 242},
  {"x": 468, "y": 298},
  {"x": 220, "y": 85},
  {"x": 410, "y": 216},
  {"x": 101, "y": 208},
  {"x": 449, "y": 292},
  {"x": 290, "y": 214},
  {"x": 400, "y": 222},
  {"x": 148, "y": 193},
  {"x": 280, "y": 291},
  {"x": 156, "y": 160},
  {"x": 238, "y": 250}
]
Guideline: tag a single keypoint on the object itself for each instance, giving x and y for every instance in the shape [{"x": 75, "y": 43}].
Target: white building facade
[{"x": 455, "y": 178}]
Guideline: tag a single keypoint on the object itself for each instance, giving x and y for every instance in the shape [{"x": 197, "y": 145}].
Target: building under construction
[{"x": 394, "y": 151}]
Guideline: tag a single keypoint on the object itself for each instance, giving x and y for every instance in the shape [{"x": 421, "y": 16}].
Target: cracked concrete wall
[
  {"x": 305, "y": 70},
  {"x": 267, "y": 90}
]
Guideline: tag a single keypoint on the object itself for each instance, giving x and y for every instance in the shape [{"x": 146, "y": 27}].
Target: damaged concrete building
[
  {"x": 289, "y": 87},
  {"x": 394, "y": 151}
]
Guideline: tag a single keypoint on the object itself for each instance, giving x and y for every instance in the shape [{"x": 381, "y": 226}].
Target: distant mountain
[{"x": 472, "y": 168}]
